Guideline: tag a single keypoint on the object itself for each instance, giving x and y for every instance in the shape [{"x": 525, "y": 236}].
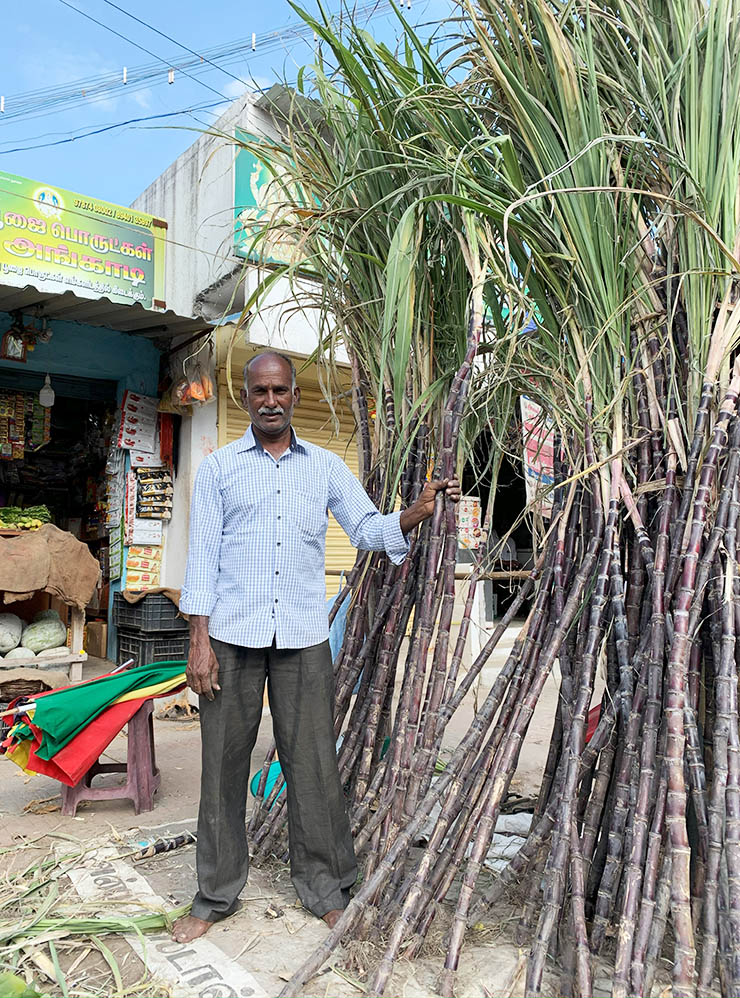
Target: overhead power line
[
  {"x": 117, "y": 124},
  {"x": 142, "y": 48},
  {"x": 173, "y": 40},
  {"x": 52, "y": 100}
]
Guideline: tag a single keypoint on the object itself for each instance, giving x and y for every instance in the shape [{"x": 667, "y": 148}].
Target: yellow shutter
[{"x": 312, "y": 421}]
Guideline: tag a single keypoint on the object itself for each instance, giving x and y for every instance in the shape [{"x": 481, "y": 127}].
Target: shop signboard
[
  {"x": 261, "y": 194},
  {"x": 58, "y": 241}
]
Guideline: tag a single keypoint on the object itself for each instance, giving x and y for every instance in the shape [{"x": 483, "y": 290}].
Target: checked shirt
[{"x": 256, "y": 557}]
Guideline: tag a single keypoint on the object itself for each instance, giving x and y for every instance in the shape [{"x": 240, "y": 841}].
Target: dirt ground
[{"x": 256, "y": 951}]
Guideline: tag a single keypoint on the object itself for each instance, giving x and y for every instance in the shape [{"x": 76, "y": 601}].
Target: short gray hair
[{"x": 271, "y": 353}]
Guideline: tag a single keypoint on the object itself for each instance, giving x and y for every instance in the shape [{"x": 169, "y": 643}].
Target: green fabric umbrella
[{"x": 62, "y": 714}]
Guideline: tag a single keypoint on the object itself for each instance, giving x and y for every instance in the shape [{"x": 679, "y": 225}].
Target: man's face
[{"x": 269, "y": 397}]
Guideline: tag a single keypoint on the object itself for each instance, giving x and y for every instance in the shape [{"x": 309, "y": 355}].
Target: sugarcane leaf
[
  {"x": 398, "y": 316},
  {"x": 111, "y": 961},
  {"x": 58, "y": 973},
  {"x": 12, "y": 986}
]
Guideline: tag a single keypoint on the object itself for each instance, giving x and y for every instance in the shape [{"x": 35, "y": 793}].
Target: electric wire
[
  {"x": 114, "y": 125},
  {"x": 174, "y": 41},
  {"x": 45, "y": 101},
  {"x": 107, "y": 27}
]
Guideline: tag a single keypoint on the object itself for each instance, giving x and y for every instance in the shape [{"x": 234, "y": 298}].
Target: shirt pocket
[{"x": 308, "y": 514}]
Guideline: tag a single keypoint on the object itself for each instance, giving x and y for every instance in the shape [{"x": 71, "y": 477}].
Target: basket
[
  {"x": 156, "y": 612},
  {"x": 146, "y": 649}
]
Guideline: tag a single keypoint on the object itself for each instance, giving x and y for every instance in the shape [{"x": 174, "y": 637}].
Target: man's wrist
[
  {"x": 199, "y": 628},
  {"x": 411, "y": 517}
]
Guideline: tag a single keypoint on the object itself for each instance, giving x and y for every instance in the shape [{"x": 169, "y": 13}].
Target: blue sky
[{"x": 48, "y": 45}]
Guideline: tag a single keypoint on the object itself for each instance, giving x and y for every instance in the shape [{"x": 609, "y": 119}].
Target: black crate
[
  {"x": 145, "y": 649},
  {"x": 153, "y": 613}
]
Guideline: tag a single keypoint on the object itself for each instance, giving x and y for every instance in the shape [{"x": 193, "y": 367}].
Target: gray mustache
[{"x": 266, "y": 411}]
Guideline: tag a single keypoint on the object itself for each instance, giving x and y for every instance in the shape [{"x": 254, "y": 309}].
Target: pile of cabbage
[{"x": 44, "y": 637}]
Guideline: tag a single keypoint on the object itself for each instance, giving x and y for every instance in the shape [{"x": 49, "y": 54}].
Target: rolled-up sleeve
[
  {"x": 206, "y": 526},
  {"x": 366, "y": 527}
]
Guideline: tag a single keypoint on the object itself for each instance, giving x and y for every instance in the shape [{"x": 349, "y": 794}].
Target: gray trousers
[{"x": 300, "y": 685}]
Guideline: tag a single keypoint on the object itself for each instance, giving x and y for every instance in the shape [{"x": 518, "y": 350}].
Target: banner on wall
[
  {"x": 539, "y": 452},
  {"x": 58, "y": 241},
  {"x": 261, "y": 194}
]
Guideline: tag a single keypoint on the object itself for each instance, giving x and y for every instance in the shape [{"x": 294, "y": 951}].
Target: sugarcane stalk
[
  {"x": 649, "y": 889},
  {"x": 578, "y": 912},
  {"x": 593, "y": 815},
  {"x": 732, "y": 790},
  {"x": 420, "y": 886},
  {"x": 449, "y": 784},
  {"x": 614, "y": 839},
  {"x": 555, "y": 873},
  {"x": 658, "y": 923},
  {"x": 382, "y": 680},
  {"x": 648, "y": 748},
  {"x": 517, "y": 866},
  {"x": 697, "y": 445},
  {"x": 481, "y": 845},
  {"x": 685, "y": 954},
  {"x": 450, "y": 706}
]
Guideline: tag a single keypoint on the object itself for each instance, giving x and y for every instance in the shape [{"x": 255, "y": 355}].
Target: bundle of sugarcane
[{"x": 587, "y": 170}]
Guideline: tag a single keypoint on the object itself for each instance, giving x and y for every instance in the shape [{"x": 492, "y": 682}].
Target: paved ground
[{"x": 270, "y": 937}]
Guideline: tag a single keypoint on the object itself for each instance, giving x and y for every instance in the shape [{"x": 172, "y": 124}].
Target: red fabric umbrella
[
  {"x": 593, "y": 719},
  {"x": 66, "y": 730},
  {"x": 71, "y": 763}
]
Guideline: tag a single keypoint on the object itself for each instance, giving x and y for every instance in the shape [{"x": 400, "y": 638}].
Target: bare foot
[
  {"x": 332, "y": 917},
  {"x": 189, "y": 927}
]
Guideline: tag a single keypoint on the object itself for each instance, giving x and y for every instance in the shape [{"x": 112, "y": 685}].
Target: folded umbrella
[{"x": 66, "y": 730}]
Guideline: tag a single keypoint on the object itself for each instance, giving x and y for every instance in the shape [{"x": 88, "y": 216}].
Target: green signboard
[
  {"x": 260, "y": 195},
  {"x": 58, "y": 241}
]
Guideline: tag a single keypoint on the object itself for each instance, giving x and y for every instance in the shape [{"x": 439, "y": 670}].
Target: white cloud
[
  {"x": 143, "y": 98},
  {"x": 59, "y": 67},
  {"x": 234, "y": 88}
]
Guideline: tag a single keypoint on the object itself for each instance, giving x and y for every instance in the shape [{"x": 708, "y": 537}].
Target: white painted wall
[
  {"x": 195, "y": 195},
  {"x": 198, "y": 437}
]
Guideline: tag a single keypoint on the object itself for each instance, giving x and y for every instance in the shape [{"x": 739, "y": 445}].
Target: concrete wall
[{"x": 196, "y": 197}]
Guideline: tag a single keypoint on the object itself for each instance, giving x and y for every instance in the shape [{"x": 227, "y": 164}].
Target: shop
[{"x": 84, "y": 340}]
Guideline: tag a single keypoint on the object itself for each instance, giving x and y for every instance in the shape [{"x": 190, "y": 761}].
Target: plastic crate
[
  {"x": 153, "y": 613},
  {"x": 145, "y": 649}
]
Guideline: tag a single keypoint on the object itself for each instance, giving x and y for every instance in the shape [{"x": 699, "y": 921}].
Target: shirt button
[
  {"x": 278, "y": 491},
  {"x": 278, "y": 543},
  {"x": 277, "y": 572},
  {"x": 276, "y": 601},
  {"x": 278, "y": 516}
]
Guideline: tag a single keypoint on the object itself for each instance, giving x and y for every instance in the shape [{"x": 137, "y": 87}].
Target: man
[{"x": 254, "y": 590}]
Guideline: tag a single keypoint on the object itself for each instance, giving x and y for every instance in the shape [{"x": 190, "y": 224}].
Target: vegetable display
[{"x": 30, "y": 518}]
